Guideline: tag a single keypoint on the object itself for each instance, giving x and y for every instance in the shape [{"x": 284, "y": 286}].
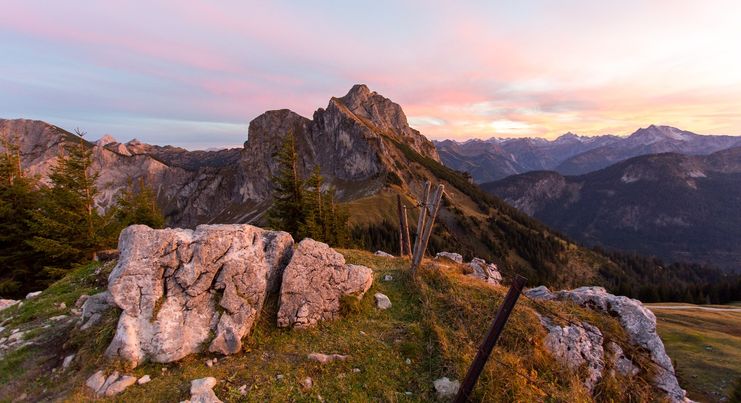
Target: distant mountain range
[
  {"x": 678, "y": 207},
  {"x": 569, "y": 154}
]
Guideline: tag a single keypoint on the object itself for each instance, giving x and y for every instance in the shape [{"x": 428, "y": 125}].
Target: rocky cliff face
[{"x": 352, "y": 140}]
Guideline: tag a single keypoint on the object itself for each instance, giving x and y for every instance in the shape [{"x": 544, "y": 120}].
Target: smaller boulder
[
  {"x": 455, "y": 257},
  {"x": 314, "y": 281},
  {"x": 485, "y": 271},
  {"x": 144, "y": 379},
  {"x": 96, "y": 381},
  {"x": 307, "y": 383},
  {"x": 34, "y": 294},
  {"x": 382, "y": 301},
  {"x": 446, "y": 388},
  {"x": 120, "y": 385}
]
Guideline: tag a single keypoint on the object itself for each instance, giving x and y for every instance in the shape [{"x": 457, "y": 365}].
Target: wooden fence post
[
  {"x": 401, "y": 226},
  {"x": 430, "y": 208},
  {"x": 487, "y": 345},
  {"x": 407, "y": 239}
]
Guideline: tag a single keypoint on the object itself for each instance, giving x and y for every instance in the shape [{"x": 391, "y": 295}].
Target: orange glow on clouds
[{"x": 195, "y": 73}]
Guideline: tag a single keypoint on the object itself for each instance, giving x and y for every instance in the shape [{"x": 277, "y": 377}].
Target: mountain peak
[
  {"x": 105, "y": 140},
  {"x": 358, "y": 92}
]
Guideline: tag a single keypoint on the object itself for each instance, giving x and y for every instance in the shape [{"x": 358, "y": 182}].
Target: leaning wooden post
[
  {"x": 431, "y": 209},
  {"x": 405, "y": 228},
  {"x": 422, "y": 216},
  {"x": 490, "y": 340},
  {"x": 401, "y": 226}
]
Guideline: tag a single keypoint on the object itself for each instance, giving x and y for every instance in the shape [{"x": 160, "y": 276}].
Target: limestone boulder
[
  {"x": 637, "y": 320},
  {"x": 181, "y": 289},
  {"x": 315, "y": 281},
  {"x": 577, "y": 346}
]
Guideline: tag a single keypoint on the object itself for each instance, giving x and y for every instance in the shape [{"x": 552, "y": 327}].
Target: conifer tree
[
  {"x": 137, "y": 205},
  {"x": 287, "y": 211},
  {"x": 314, "y": 212},
  {"x": 67, "y": 224},
  {"x": 18, "y": 198}
]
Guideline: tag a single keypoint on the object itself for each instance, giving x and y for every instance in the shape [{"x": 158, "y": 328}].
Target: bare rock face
[
  {"x": 576, "y": 346},
  {"x": 313, "y": 283},
  {"x": 639, "y": 322},
  {"x": 179, "y": 288},
  {"x": 485, "y": 271}
]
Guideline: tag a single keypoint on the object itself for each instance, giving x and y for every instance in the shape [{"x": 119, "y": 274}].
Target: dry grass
[{"x": 705, "y": 347}]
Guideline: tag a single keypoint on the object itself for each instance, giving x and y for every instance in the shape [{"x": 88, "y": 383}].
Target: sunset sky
[{"x": 194, "y": 73}]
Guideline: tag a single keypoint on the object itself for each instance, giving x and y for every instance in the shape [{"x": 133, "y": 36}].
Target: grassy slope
[
  {"x": 705, "y": 347},
  {"x": 436, "y": 323}
]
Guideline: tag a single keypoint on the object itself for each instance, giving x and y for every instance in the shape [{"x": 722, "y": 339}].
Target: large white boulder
[{"x": 169, "y": 282}]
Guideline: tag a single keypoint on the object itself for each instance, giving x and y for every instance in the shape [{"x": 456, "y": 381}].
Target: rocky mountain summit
[
  {"x": 352, "y": 140},
  {"x": 678, "y": 207},
  {"x": 570, "y": 154}
]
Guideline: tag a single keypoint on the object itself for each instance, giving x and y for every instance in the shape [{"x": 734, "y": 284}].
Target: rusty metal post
[{"x": 490, "y": 340}]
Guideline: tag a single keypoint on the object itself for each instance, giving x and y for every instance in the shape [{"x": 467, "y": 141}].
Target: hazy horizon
[{"x": 193, "y": 74}]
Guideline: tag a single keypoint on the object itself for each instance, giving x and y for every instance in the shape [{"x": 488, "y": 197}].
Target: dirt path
[{"x": 704, "y": 308}]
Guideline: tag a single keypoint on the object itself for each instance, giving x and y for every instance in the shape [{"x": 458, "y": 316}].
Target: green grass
[
  {"x": 705, "y": 347},
  {"x": 436, "y": 322}
]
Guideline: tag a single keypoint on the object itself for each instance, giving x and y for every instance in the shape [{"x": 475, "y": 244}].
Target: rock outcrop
[
  {"x": 577, "y": 346},
  {"x": 637, "y": 320},
  {"x": 315, "y": 281},
  {"x": 110, "y": 385},
  {"x": 180, "y": 289}
]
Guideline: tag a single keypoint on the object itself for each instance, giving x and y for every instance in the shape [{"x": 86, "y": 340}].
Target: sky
[{"x": 194, "y": 73}]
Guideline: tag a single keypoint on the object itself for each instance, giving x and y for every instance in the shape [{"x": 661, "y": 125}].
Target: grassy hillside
[
  {"x": 704, "y": 345},
  {"x": 432, "y": 330}
]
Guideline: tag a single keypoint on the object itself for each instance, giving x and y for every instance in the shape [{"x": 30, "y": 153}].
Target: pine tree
[
  {"x": 287, "y": 211},
  {"x": 136, "y": 205},
  {"x": 18, "y": 198},
  {"x": 314, "y": 225},
  {"x": 67, "y": 224}
]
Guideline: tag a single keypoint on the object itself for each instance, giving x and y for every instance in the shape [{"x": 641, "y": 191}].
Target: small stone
[
  {"x": 408, "y": 361},
  {"x": 33, "y": 294},
  {"x": 455, "y": 257},
  {"x": 95, "y": 381},
  {"x": 363, "y": 333},
  {"x": 61, "y": 305},
  {"x": 325, "y": 358},
  {"x": 144, "y": 379},
  {"x": 67, "y": 361},
  {"x": 383, "y": 254},
  {"x": 382, "y": 301},
  {"x": 94, "y": 319},
  {"x": 209, "y": 363},
  {"x": 201, "y": 390},
  {"x": 279, "y": 377},
  {"x": 108, "y": 382},
  {"x": 81, "y": 300},
  {"x": 446, "y": 388},
  {"x": 307, "y": 383},
  {"x": 58, "y": 317},
  {"x": 243, "y": 390},
  {"x": 388, "y": 277},
  {"x": 356, "y": 370},
  {"x": 120, "y": 385}
]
